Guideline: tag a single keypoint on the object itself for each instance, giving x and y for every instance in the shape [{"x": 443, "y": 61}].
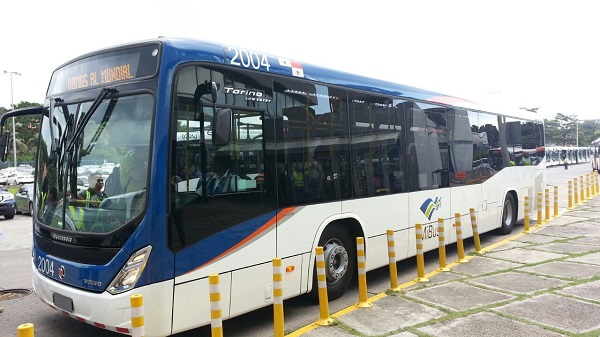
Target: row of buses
[{"x": 574, "y": 155}]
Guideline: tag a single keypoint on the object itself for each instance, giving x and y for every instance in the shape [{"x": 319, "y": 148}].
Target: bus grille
[{"x": 79, "y": 254}]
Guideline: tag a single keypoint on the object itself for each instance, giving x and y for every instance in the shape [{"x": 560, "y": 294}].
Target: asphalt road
[{"x": 15, "y": 273}]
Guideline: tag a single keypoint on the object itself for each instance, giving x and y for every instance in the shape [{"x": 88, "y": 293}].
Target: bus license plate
[{"x": 63, "y": 302}]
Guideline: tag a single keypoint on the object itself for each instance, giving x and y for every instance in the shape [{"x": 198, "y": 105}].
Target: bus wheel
[
  {"x": 340, "y": 261},
  {"x": 508, "y": 215}
]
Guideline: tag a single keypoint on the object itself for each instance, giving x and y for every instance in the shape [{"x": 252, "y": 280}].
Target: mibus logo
[{"x": 429, "y": 206}]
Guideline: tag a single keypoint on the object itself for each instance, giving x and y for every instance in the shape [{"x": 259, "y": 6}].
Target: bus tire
[
  {"x": 509, "y": 215},
  {"x": 339, "y": 250}
]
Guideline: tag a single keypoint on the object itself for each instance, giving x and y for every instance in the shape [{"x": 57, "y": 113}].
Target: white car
[{"x": 19, "y": 177}]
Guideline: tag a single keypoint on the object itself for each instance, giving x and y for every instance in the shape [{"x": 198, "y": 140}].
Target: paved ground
[{"x": 543, "y": 283}]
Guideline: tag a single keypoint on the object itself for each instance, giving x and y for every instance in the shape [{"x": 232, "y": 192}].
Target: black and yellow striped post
[
  {"x": 392, "y": 259},
  {"x": 442, "y": 248},
  {"x": 324, "y": 318},
  {"x": 362, "y": 274},
  {"x": 547, "y": 204},
  {"x": 475, "y": 231},
  {"x": 420, "y": 258},
  {"x": 137, "y": 315},
  {"x": 539, "y": 209},
  {"x": 555, "y": 201},
  {"x": 278, "y": 321},
  {"x": 526, "y": 219},
  {"x": 460, "y": 246},
  {"x": 25, "y": 330},
  {"x": 216, "y": 315}
]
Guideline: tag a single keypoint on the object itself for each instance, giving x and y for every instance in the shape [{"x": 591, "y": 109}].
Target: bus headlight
[{"x": 130, "y": 272}]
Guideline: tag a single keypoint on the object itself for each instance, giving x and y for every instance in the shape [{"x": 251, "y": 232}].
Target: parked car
[
  {"x": 8, "y": 206},
  {"x": 24, "y": 199},
  {"x": 3, "y": 178},
  {"x": 19, "y": 177}
]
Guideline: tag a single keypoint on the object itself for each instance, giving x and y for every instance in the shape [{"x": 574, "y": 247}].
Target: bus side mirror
[
  {"x": 221, "y": 127},
  {"x": 4, "y": 142},
  {"x": 213, "y": 91}
]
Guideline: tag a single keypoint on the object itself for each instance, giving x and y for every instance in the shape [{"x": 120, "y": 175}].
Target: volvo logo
[{"x": 61, "y": 272}]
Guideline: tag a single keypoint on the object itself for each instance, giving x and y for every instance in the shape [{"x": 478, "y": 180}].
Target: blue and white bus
[{"x": 227, "y": 157}]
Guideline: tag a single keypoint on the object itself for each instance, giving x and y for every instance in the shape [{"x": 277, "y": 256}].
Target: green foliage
[{"x": 566, "y": 130}]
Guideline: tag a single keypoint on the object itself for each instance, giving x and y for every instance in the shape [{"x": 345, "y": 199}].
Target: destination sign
[{"x": 106, "y": 69}]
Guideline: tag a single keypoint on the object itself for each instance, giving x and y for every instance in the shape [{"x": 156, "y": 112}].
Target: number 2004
[{"x": 45, "y": 266}]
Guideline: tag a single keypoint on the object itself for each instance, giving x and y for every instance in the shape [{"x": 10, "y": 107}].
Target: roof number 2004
[{"x": 248, "y": 59}]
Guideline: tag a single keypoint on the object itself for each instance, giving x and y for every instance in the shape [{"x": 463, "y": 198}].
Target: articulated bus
[{"x": 226, "y": 158}]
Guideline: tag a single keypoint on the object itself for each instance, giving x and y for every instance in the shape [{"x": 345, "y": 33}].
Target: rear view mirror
[
  {"x": 4, "y": 143},
  {"x": 221, "y": 127}
]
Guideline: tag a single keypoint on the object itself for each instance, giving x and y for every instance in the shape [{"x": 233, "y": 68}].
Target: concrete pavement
[{"x": 543, "y": 283}]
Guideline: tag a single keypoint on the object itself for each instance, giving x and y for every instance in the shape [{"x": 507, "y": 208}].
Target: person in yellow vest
[
  {"x": 298, "y": 182},
  {"x": 525, "y": 161},
  {"x": 94, "y": 194},
  {"x": 512, "y": 159}
]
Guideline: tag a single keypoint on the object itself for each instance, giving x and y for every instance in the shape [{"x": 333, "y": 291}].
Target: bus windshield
[{"x": 92, "y": 170}]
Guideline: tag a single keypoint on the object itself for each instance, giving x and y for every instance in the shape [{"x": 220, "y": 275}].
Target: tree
[{"x": 562, "y": 130}]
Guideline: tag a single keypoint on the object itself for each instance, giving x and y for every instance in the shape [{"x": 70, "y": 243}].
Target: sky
[{"x": 504, "y": 54}]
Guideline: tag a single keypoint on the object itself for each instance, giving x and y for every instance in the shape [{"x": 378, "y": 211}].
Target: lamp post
[{"x": 11, "y": 73}]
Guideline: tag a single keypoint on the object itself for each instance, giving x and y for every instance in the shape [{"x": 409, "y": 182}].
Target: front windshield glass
[{"x": 102, "y": 183}]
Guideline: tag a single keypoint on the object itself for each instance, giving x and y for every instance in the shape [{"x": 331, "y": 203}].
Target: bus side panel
[
  {"x": 191, "y": 307},
  {"x": 425, "y": 208},
  {"x": 379, "y": 214},
  {"x": 464, "y": 198},
  {"x": 252, "y": 288},
  {"x": 493, "y": 191}
]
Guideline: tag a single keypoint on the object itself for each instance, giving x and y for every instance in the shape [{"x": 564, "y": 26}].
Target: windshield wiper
[{"x": 87, "y": 116}]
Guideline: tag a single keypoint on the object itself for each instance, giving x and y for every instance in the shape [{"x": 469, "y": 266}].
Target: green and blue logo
[{"x": 429, "y": 206}]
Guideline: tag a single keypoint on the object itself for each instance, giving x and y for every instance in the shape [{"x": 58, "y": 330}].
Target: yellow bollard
[
  {"x": 526, "y": 220},
  {"x": 587, "y": 185},
  {"x": 216, "y": 315},
  {"x": 420, "y": 258},
  {"x": 555, "y": 200},
  {"x": 475, "y": 231},
  {"x": 459, "y": 240},
  {"x": 136, "y": 301},
  {"x": 392, "y": 259},
  {"x": 570, "y": 195},
  {"x": 324, "y": 318},
  {"x": 25, "y": 330},
  {"x": 539, "y": 209},
  {"x": 278, "y": 324},
  {"x": 575, "y": 192},
  {"x": 581, "y": 189},
  {"x": 442, "y": 248},
  {"x": 547, "y": 204},
  {"x": 597, "y": 182},
  {"x": 362, "y": 274}
]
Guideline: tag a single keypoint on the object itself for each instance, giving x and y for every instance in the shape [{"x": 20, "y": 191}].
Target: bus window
[
  {"x": 428, "y": 156},
  {"x": 378, "y": 145},
  {"x": 314, "y": 165}
]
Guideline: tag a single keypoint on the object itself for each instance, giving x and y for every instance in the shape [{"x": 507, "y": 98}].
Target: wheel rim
[
  {"x": 336, "y": 260},
  {"x": 507, "y": 217}
]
